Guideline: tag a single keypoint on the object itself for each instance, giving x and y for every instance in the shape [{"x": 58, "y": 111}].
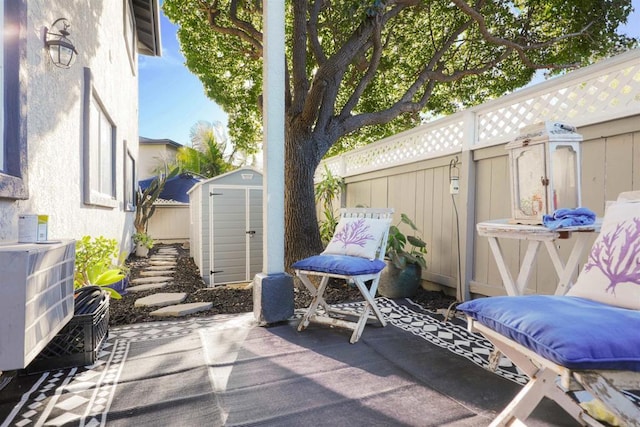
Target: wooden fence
[{"x": 410, "y": 171}]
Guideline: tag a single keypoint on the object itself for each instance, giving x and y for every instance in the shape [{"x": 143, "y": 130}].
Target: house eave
[{"x": 147, "y": 16}]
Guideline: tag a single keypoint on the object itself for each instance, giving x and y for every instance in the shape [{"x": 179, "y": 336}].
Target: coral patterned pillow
[
  {"x": 612, "y": 272},
  {"x": 357, "y": 237}
]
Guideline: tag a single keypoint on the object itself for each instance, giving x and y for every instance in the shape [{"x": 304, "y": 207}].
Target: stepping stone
[
  {"x": 167, "y": 250},
  {"x": 161, "y": 299},
  {"x": 162, "y": 258},
  {"x": 159, "y": 268},
  {"x": 147, "y": 287},
  {"x": 157, "y": 273},
  {"x": 170, "y": 263},
  {"x": 154, "y": 279},
  {"x": 182, "y": 309}
]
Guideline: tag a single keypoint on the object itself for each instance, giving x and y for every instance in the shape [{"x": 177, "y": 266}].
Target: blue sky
[{"x": 172, "y": 99}]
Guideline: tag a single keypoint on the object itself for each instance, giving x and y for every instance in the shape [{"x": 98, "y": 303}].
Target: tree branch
[
  {"x": 364, "y": 82},
  {"x": 312, "y": 30},
  {"x": 245, "y": 31},
  {"x": 519, "y": 48},
  {"x": 299, "y": 56}
]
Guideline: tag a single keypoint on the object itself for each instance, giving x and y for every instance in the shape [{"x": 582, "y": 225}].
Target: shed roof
[{"x": 245, "y": 169}]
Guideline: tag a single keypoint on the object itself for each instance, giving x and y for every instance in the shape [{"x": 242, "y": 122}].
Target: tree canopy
[{"x": 357, "y": 71}]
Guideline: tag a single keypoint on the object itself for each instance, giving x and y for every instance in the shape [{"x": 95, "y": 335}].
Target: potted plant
[
  {"x": 78, "y": 342},
  {"x": 405, "y": 261},
  {"x": 143, "y": 242},
  {"x": 327, "y": 192},
  {"x": 94, "y": 264}
]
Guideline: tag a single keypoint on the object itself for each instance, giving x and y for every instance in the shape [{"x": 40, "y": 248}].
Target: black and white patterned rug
[{"x": 84, "y": 396}]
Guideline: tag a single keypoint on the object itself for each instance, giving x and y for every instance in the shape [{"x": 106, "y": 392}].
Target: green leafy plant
[
  {"x": 327, "y": 191},
  {"x": 95, "y": 264},
  {"x": 143, "y": 239},
  {"x": 397, "y": 250}
]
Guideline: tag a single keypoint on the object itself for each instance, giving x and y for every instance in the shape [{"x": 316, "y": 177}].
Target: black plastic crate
[{"x": 77, "y": 344}]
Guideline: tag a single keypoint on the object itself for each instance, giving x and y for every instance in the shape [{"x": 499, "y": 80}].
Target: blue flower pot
[
  {"x": 121, "y": 286},
  {"x": 397, "y": 283}
]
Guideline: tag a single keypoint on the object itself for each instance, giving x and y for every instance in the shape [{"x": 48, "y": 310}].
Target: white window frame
[
  {"x": 130, "y": 182},
  {"x": 2, "y": 141},
  {"x": 13, "y": 123},
  {"x": 99, "y": 149},
  {"x": 129, "y": 34}
]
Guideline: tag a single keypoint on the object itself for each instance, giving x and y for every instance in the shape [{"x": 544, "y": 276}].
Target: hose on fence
[{"x": 88, "y": 299}]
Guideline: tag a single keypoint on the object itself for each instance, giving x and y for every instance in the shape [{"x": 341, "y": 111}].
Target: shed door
[{"x": 236, "y": 234}]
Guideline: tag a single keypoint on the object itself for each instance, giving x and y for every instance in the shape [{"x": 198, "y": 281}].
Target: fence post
[{"x": 467, "y": 208}]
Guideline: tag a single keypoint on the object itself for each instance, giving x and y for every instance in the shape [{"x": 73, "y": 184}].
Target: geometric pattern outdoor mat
[{"x": 82, "y": 396}]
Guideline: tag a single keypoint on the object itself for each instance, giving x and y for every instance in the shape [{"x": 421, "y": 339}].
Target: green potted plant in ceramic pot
[
  {"x": 405, "y": 255},
  {"x": 143, "y": 242}
]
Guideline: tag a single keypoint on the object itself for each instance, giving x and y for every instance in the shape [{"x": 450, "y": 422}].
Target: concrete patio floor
[{"x": 226, "y": 370}]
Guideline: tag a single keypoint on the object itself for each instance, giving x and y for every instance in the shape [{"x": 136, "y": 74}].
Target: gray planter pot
[{"x": 396, "y": 283}]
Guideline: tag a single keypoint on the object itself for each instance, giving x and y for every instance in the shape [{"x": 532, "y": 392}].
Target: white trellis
[{"x": 604, "y": 91}]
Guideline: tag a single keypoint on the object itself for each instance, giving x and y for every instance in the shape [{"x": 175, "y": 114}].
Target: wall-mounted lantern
[
  {"x": 62, "y": 51},
  {"x": 545, "y": 172}
]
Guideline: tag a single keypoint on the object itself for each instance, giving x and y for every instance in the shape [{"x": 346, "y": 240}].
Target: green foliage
[
  {"x": 95, "y": 263},
  {"x": 397, "y": 250},
  {"x": 206, "y": 156},
  {"x": 358, "y": 71},
  {"x": 327, "y": 191},
  {"x": 145, "y": 200},
  {"x": 143, "y": 239},
  {"x": 434, "y": 57}
]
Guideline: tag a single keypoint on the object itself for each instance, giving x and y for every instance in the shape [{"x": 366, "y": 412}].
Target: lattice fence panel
[
  {"x": 583, "y": 101},
  {"x": 605, "y": 91},
  {"x": 405, "y": 148}
]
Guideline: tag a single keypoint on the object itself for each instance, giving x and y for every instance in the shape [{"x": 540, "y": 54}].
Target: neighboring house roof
[
  {"x": 164, "y": 141},
  {"x": 147, "y": 16},
  {"x": 175, "y": 188}
]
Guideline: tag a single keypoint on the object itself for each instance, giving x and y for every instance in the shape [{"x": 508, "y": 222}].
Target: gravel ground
[{"x": 232, "y": 298}]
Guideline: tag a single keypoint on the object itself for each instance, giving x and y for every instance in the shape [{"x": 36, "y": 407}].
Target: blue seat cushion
[
  {"x": 340, "y": 264},
  {"x": 573, "y": 332}
]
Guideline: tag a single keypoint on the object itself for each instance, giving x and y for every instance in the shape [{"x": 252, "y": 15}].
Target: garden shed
[{"x": 226, "y": 226}]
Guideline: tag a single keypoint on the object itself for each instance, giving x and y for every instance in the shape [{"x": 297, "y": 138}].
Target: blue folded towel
[{"x": 562, "y": 218}]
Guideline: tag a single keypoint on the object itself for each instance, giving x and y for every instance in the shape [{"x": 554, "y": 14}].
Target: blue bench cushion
[
  {"x": 340, "y": 264},
  {"x": 573, "y": 332}
]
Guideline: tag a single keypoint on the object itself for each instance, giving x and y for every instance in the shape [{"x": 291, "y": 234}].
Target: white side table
[{"x": 536, "y": 235}]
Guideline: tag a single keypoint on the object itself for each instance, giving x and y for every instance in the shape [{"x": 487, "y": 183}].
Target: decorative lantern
[
  {"x": 544, "y": 164},
  {"x": 62, "y": 51}
]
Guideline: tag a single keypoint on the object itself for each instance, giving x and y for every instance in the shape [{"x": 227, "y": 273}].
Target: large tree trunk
[{"x": 302, "y": 237}]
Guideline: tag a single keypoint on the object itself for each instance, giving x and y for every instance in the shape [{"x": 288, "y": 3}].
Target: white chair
[
  {"x": 587, "y": 340},
  {"x": 355, "y": 254}
]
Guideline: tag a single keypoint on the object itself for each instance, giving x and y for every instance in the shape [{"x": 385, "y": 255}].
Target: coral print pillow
[
  {"x": 612, "y": 272},
  {"x": 357, "y": 237}
]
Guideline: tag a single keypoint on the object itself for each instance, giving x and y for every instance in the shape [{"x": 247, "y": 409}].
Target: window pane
[
  {"x": 106, "y": 158},
  {"x": 98, "y": 149},
  {"x": 94, "y": 155}
]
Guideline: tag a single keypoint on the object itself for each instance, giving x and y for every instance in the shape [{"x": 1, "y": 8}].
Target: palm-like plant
[
  {"x": 206, "y": 157},
  {"x": 327, "y": 191},
  {"x": 145, "y": 200}
]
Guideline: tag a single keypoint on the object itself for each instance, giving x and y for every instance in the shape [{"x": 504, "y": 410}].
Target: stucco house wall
[
  {"x": 53, "y": 113},
  {"x": 154, "y": 154}
]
